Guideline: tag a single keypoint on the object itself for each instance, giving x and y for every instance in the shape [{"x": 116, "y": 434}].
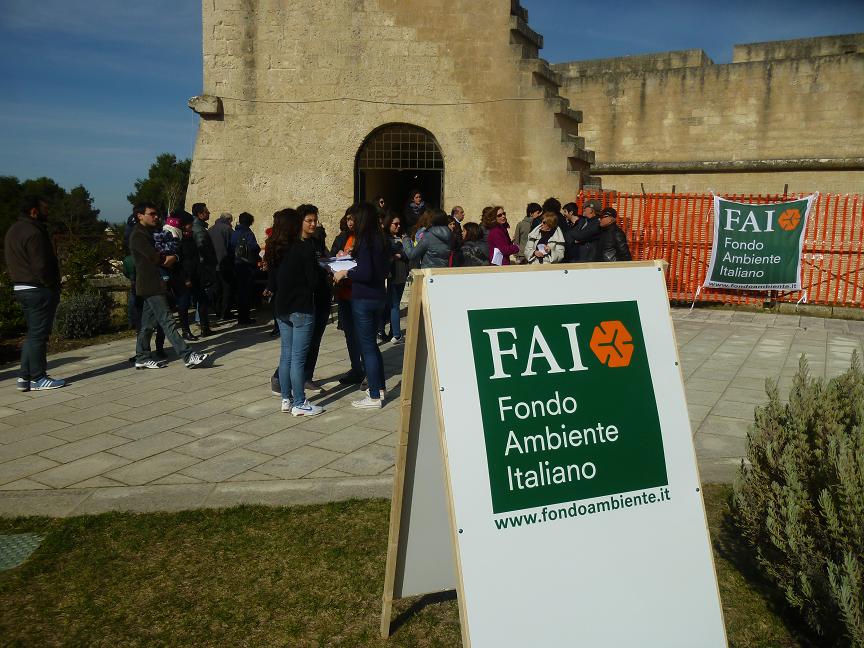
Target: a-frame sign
[{"x": 545, "y": 467}]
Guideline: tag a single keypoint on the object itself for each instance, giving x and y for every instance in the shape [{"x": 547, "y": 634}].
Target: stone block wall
[{"x": 755, "y": 125}]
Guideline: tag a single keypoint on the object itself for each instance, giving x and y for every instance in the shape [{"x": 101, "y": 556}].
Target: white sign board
[{"x": 569, "y": 472}]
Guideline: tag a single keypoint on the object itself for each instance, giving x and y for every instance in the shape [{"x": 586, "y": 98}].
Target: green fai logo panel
[{"x": 567, "y": 403}]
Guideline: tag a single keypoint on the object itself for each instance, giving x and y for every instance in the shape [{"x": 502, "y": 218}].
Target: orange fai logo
[
  {"x": 612, "y": 343},
  {"x": 789, "y": 219}
]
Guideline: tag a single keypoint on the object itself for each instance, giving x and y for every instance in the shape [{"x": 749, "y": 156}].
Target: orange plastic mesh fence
[{"x": 678, "y": 228}]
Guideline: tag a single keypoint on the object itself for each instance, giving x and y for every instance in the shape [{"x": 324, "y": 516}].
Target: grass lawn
[{"x": 255, "y": 576}]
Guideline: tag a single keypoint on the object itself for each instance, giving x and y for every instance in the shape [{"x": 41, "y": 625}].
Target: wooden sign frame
[{"x": 424, "y": 524}]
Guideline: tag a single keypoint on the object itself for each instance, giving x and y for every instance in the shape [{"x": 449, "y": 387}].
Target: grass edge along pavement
[{"x": 252, "y": 575}]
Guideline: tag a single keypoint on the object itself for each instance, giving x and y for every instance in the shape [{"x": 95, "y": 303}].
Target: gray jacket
[
  {"x": 220, "y": 234},
  {"x": 433, "y": 249}
]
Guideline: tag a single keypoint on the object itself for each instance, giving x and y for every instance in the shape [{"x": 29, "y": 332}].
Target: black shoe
[
  {"x": 206, "y": 332},
  {"x": 274, "y": 332},
  {"x": 189, "y": 337},
  {"x": 351, "y": 378},
  {"x": 383, "y": 337},
  {"x": 247, "y": 322}
]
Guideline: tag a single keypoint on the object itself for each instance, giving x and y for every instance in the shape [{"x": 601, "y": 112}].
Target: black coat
[
  {"x": 398, "y": 267},
  {"x": 580, "y": 241},
  {"x": 148, "y": 281},
  {"x": 294, "y": 279},
  {"x": 612, "y": 245},
  {"x": 30, "y": 256}
]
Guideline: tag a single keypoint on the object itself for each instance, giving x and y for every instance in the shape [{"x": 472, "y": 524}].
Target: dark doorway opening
[{"x": 395, "y": 159}]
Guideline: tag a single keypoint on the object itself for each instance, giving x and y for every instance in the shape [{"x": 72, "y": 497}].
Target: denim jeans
[
  {"x": 155, "y": 310},
  {"x": 295, "y": 332},
  {"x": 394, "y": 298},
  {"x": 322, "y": 314},
  {"x": 39, "y": 305},
  {"x": 366, "y": 313},
  {"x": 346, "y": 323}
]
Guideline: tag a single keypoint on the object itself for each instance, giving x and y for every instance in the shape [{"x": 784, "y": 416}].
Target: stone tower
[{"x": 331, "y": 102}]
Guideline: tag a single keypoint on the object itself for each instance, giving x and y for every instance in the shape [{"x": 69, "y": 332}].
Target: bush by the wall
[
  {"x": 800, "y": 502},
  {"x": 11, "y": 316},
  {"x": 83, "y": 315}
]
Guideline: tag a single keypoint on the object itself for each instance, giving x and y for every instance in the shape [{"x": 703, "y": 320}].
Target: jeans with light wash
[
  {"x": 366, "y": 314},
  {"x": 295, "y": 332},
  {"x": 155, "y": 310},
  {"x": 39, "y": 306},
  {"x": 394, "y": 298},
  {"x": 346, "y": 323},
  {"x": 322, "y": 314}
]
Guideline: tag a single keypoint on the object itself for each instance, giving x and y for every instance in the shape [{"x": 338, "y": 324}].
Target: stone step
[
  {"x": 573, "y": 138},
  {"x": 582, "y": 155},
  {"x": 542, "y": 74},
  {"x": 520, "y": 30},
  {"x": 561, "y": 106},
  {"x": 518, "y": 10}
]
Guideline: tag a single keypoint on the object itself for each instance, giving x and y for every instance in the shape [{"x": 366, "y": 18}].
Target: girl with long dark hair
[
  {"x": 396, "y": 279},
  {"x": 372, "y": 254},
  {"x": 292, "y": 277}
]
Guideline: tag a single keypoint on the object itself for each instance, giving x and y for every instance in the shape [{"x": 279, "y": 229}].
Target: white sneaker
[
  {"x": 194, "y": 359},
  {"x": 368, "y": 403},
  {"x": 150, "y": 364},
  {"x": 306, "y": 409}
]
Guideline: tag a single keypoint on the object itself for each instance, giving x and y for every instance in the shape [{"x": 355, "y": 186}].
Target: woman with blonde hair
[{"x": 546, "y": 241}]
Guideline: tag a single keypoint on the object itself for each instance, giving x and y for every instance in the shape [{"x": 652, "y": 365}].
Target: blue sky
[{"x": 92, "y": 90}]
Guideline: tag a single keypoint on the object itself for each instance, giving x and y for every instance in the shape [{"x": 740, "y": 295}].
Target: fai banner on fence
[{"x": 758, "y": 247}]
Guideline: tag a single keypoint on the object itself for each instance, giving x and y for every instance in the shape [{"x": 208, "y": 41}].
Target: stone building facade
[
  {"x": 784, "y": 114},
  {"x": 330, "y": 102}
]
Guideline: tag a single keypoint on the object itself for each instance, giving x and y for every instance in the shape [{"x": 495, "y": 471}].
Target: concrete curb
[{"x": 182, "y": 497}]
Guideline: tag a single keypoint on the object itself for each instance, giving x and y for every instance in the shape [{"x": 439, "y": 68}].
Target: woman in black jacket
[
  {"x": 368, "y": 296},
  {"x": 292, "y": 269},
  {"x": 395, "y": 280},
  {"x": 185, "y": 274}
]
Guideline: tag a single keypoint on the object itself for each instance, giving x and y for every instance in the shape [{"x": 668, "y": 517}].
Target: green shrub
[
  {"x": 83, "y": 315},
  {"x": 800, "y": 502},
  {"x": 11, "y": 316},
  {"x": 79, "y": 261}
]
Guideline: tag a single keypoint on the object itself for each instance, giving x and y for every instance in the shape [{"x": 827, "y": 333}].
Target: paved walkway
[{"x": 119, "y": 439}]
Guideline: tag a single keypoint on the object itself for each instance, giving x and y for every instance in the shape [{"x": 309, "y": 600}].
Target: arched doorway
[{"x": 396, "y": 158}]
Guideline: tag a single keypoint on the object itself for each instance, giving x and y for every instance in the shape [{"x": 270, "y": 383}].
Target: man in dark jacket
[
  {"x": 580, "y": 242},
  {"x": 612, "y": 245},
  {"x": 220, "y": 234},
  {"x": 152, "y": 292},
  {"x": 246, "y": 253},
  {"x": 35, "y": 275},
  {"x": 208, "y": 285}
]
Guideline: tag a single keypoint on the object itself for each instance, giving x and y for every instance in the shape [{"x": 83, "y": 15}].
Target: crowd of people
[{"x": 185, "y": 265}]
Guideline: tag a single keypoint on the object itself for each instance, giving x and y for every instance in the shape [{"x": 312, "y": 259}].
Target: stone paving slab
[{"x": 173, "y": 439}]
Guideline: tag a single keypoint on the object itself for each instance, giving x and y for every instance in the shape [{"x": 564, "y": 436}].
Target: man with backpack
[{"x": 246, "y": 252}]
